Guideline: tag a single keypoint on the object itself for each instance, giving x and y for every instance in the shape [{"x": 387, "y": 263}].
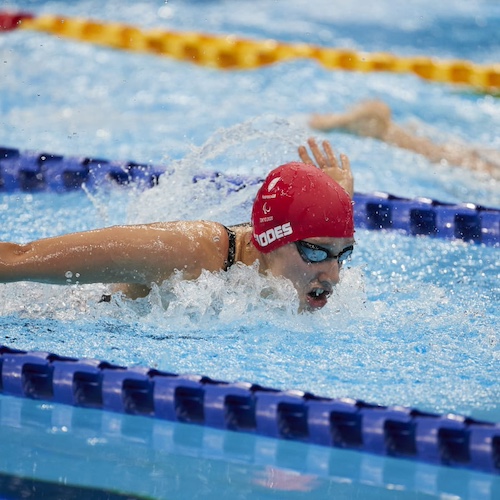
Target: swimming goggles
[{"x": 312, "y": 253}]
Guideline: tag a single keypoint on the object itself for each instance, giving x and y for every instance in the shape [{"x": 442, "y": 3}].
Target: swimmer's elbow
[
  {"x": 7, "y": 249},
  {"x": 12, "y": 256}
]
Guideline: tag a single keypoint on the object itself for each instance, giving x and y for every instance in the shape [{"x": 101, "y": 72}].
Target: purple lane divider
[
  {"x": 35, "y": 172},
  {"x": 399, "y": 432}
]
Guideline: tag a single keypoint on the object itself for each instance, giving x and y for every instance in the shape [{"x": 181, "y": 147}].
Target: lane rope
[
  {"x": 395, "y": 431},
  {"x": 46, "y": 172},
  {"x": 229, "y": 52}
]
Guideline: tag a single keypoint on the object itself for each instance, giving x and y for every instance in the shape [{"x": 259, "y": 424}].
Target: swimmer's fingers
[
  {"x": 321, "y": 122},
  {"x": 304, "y": 156},
  {"x": 327, "y": 161},
  {"x": 320, "y": 158},
  {"x": 324, "y": 161},
  {"x": 347, "y": 181},
  {"x": 346, "y": 164},
  {"x": 332, "y": 160},
  {"x": 316, "y": 121},
  {"x": 327, "y": 121},
  {"x": 339, "y": 172},
  {"x": 342, "y": 172}
]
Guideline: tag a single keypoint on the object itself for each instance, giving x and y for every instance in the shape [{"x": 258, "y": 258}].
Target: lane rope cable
[
  {"x": 229, "y": 52},
  {"x": 45, "y": 172},
  {"x": 399, "y": 432}
]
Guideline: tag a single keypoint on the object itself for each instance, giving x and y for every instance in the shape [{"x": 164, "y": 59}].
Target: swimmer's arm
[
  {"x": 139, "y": 254},
  {"x": 367, "y": 119},
  {"x": 460, "y": 155},
  {"x": 373, "y": 119},
  {"x": 327, "y": 161}
]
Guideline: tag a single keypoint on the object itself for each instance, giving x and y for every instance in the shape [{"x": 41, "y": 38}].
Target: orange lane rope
[{"x": 230, "y": 52}]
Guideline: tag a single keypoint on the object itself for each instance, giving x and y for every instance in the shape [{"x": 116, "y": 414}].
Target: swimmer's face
[{"x": 305, "y": 265}]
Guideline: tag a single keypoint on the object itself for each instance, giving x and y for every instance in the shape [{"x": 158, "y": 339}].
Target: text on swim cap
[{"x": 274, "y": 234}]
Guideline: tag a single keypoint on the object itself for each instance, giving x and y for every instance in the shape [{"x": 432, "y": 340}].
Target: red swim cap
[{"x": 299, "y": 201}]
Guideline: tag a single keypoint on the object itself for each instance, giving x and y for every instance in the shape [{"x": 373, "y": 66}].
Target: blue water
[
  {"x": 156, "y": 459},
  {"x": 414, "y": 321}
]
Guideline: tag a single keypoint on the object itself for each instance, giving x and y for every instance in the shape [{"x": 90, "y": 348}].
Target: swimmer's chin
[{"x": 312, "y": 305}]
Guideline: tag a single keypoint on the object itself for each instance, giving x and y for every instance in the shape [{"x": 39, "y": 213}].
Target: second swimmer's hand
[{"x": 326, "y": 161}]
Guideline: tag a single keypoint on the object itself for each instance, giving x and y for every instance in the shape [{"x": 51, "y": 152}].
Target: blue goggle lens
[{"x": 312, "y": 253}]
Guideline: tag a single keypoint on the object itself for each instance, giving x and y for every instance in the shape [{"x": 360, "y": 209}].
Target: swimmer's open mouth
[{"x": 319, "y": 296}]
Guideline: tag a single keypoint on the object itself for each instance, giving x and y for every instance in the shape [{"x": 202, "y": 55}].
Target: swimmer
[
  {"x": 373, "y": 119},
  {"x": 301, "y": 229}
]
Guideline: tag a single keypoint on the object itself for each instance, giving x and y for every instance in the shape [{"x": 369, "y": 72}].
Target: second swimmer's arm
[
  {"x": 373, "y": 119},
  {"x": 367, "y": 118}
]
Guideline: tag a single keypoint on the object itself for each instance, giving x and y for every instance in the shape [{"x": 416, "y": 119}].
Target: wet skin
[{"x": 314, "y": 282}]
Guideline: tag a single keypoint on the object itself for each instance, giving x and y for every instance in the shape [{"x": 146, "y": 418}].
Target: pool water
[
  {"x": 123, "y": 456},
  {"x": 414, "y": 321},
  {"x": 392, "y": 332}
]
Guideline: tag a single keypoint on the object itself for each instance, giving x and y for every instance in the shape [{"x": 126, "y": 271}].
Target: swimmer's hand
[
  {"x": 329, "y": 164},
  {"x": 366, "y": 119}
]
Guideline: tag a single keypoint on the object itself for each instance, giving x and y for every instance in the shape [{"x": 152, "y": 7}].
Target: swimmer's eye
[{"x": 312, "y": 253}]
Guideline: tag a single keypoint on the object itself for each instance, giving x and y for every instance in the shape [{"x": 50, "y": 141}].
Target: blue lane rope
[
  {"x": 399, "y": 432},
  {"x": 38, "y": 172}
]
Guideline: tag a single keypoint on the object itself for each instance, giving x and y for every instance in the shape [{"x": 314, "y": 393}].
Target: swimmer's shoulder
[
  {"x": 200, "y": 230},
  {"x": 240, "y": 229},
  {"x": 217, "y": 246}
]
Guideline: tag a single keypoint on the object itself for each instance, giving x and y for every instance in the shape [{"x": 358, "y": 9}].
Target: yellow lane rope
[{"x": 230, "y": 52}]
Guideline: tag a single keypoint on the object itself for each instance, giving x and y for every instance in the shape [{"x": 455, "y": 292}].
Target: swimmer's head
[{"x": 299, "y": 201}]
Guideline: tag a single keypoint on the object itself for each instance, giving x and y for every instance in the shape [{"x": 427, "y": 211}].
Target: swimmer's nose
[{"x": 330, "y": 273}]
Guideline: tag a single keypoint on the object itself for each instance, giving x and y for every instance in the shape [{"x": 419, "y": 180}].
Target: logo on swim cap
[
  {"x": 273, "y": 183},
  {"x": 273, "y": 234},
  {"x": 305, "y": 203}
]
